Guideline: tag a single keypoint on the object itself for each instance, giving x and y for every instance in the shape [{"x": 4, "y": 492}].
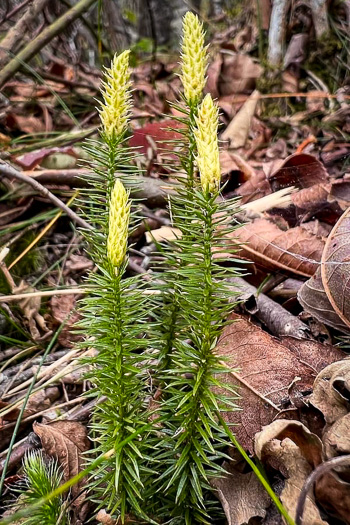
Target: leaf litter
[{"x": 294, "y": 390}]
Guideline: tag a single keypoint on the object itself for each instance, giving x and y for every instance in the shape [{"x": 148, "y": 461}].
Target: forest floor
[{"x": 285, "y": 152}]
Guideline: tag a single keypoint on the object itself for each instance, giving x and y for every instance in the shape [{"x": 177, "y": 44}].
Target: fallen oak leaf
[
  {"x": 66, "y": 441},
  {"x": 294, "y": 250},
  {"x": 267, "y": 370}
]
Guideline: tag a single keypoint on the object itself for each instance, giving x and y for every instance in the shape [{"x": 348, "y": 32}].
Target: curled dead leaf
[
  {"x": 313, "y": 298},
  {"x": 294, "y": 250},
  {"x": 333, "y": 495},
  {"x": 242, "y": 496},
  {"x": 313, "y": 198},
  {"x": 335, "y": 268},
  {"x": 288, "y": 446},
  {"x": 337, "y": 439},
  {"x": 300, "y": 170},
  {"x": 331, "y": 391}
]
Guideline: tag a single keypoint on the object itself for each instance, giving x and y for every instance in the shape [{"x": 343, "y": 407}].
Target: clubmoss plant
[
  {"x": 116, "y": 313},
  {"x": 40, "y": 479},
  {"x": 157, "y": 443},
  {"x": 192, "y": 310},
  {"x": 193, "y": 395},
  {"x": 194, "y": 62}
]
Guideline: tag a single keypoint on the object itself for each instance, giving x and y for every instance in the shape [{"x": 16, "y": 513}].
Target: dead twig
[
  {"x": 277, "y": 31},
  {"x": 15, "y": 35},
  {"x": 310, "y": 482},
  {"x": 154, "y": 192},
  {"x": 42, "y": 39},
  {"x": 277, "y": 319},
  {"x": 9, "y": 171}
]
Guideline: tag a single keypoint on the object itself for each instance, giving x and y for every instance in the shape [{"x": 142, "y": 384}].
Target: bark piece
[
  {"x": 277, "y": 319},
  {"x": 277, "y": 32}
]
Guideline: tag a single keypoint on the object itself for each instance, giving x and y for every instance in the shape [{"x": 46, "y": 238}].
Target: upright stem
[
  {"x": 208, "y": 278},
  {"x": 118, "y": 340}
]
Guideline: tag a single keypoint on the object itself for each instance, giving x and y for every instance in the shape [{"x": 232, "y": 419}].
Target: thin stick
[
  {"x": 42, "y": 39},
  {"x": 9, "y": 171},
  {"x": 44, "y": 293},
  {"x": 309, "y": 483}
]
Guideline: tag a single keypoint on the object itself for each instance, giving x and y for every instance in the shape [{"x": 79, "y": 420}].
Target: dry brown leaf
[
  {"x": 313, "y": 198},
  {"x": 213, "y": 74},
  {"x": 228, "y": 164},
  {"x": 313, "y": 299},
  {"x": 254, "y": 188},
  {"x": 293, "y": 250},
  {"x": 104, "y": 518},
  {"x": 318, "y": 228},
  {"x": 30, "y": 307},
  {"x": 63, "y": 311},
  {"x": 335, "y": 268},
  {"x": 242, "y": 496},
  {"x": 269, "y": 372},
  {"x": 331, "y": 391},
  {"x": 337, "y": 438},
  {"x": 288, "y": 446},
  {"x": 78, "y": 263},
  {"x": 333, "y": 495},
  {"x": 238, "y": 74},
  {"x": 340, "y": 190},
  {"x": 66, "y": 441},
  {"x": 164, "y": 233},
  {"x": 300, "y": 170},
  {"x": 238, "y": 129},
  {"x": 27, "y": 124}
]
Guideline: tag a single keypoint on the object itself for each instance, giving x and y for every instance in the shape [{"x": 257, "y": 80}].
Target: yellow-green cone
[
  {"x": 116, "y": 105},
  {"x": 207, "y": 144},
  {"x": 119, "y": 214}
]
